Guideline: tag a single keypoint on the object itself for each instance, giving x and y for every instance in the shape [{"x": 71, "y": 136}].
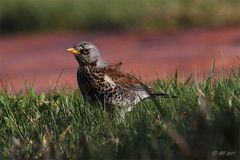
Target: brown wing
[
  {"x": 130, "y": 82},
  {"x": 125, "y": 80}
]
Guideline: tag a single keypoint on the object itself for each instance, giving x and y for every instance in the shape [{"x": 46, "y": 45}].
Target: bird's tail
[{"x": 164, "y": 95}]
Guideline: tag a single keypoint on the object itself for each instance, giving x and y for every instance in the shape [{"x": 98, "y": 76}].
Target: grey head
[{"x": 87, "y": 53}]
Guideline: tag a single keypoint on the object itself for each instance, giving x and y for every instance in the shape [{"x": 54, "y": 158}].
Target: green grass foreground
[{"x": 202, "y": 123}]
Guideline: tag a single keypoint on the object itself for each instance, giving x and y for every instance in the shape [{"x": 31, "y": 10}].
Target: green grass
[
  {"x": 32, "y": 15},
  {"x": 203, "y": 119}
]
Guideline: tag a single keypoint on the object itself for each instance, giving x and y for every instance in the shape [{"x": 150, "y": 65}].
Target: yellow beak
[{"x": 73, "y": 51}]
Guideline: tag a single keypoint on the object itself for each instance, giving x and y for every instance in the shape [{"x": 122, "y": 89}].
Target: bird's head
[{"x": 87, "y": 53}]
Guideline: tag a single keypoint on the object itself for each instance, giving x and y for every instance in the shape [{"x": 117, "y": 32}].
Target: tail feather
[{"x": 164, "y": 95}]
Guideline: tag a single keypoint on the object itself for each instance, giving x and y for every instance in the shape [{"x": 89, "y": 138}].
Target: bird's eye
[{"x": 85, "y": 51}]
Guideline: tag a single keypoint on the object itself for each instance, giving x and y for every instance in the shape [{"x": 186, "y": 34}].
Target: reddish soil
[{"x": 39, "y": 59}]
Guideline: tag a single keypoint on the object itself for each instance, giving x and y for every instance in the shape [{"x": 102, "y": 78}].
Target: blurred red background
[{"x": 40, "y": 58}]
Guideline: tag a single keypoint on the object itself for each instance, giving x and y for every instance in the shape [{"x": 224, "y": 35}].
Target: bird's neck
[
  {"x": 92, "y": 66},
  {"x": 101, "y": 63}
]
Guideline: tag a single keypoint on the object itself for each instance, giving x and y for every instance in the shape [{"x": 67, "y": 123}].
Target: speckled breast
[{"x": 95, "y": 87}]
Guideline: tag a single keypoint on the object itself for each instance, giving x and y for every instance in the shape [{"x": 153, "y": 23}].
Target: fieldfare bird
[{"x": 100, "y": 82}]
